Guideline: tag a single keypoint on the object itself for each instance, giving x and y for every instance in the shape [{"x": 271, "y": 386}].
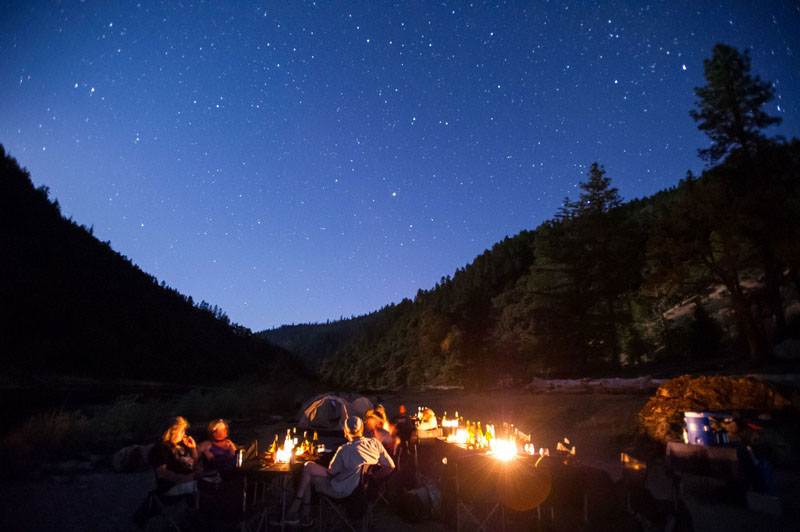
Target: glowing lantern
[
  {"x": 503, "y": 449},
  {"x": 284, "y": 454}
]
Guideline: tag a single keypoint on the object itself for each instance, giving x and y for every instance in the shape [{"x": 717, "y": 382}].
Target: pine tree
[
  {"x": 729, "y": 105},
  {"x": 598, "y": 196}
]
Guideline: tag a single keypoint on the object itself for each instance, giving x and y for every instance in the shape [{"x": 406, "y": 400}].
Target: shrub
[{"x": 45, "y": 435}]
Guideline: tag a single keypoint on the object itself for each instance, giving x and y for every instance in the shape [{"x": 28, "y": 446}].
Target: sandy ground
[{"x": 601, "y": 425}]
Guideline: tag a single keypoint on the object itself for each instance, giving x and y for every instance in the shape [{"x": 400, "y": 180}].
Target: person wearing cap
[
  {"x": 374, "y": 429},
  {"x": 343, "y": 474}
]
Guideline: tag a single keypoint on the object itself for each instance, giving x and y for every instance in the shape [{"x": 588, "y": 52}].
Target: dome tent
[{"x": 328, "y": 411}]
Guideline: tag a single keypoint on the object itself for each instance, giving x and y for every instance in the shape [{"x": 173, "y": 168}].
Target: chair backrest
[
  {"x": 355, "y": 504},
  {"x": 251, "y": 451}
]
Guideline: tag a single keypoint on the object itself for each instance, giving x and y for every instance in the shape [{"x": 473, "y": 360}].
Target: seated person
[
  {"x": 175, "y": 460},
  {"x": 218, "y": 452},
  {"x": 381, "y": 412},
  {"x": 375, "y": 430},
  {"x": 343, "y": 474},
  {"x": 428, "y": 421}
]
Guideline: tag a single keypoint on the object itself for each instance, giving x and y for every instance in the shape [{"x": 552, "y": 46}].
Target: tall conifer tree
[{"x": 730, "y": 104}]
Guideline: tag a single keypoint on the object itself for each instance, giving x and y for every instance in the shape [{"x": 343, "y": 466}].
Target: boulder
[{"x": 131, "y": 458}]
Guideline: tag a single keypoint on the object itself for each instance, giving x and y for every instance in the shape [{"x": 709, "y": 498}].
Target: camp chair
[
  {"x": 375, "y": 488},
  {"x": 349, "y": 510},
  {"x": 158, "y": 503}
]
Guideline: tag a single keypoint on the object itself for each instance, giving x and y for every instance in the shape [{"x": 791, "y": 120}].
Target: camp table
[
  {"x": 259, "y": 471},
  {"x": 484, "y": 480}
]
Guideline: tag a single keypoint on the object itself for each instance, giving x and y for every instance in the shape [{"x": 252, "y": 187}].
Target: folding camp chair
[
  {"x": 352, "y": 511},
  {"x": 157, "y": 503},
  {"x": 375, "y": 488}
]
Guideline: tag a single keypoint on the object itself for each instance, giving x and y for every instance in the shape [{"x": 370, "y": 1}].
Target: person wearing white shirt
[{"x": 343, "y": 474}]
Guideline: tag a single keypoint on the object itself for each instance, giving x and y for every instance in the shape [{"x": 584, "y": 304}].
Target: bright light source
[{"x": 504, "y": 450}]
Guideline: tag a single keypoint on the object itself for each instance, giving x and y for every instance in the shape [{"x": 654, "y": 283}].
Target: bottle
[
  {"x": 274, "y": 447},
  {"x": 314, "y": 443},
  {"x": 306, "y": 443}
]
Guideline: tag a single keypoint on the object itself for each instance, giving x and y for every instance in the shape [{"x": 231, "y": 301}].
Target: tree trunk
[
  {"x": 747, "y": 324},
  {"x": 794, "y": 275},
  {"x": 612, "y": 314},
  {"x": 773, "y": 288}
]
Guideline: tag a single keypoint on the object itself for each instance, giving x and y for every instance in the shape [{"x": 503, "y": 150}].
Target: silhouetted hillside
[
  {"x": 314, "y": 342},
  {"x": 70, "y": 304}
]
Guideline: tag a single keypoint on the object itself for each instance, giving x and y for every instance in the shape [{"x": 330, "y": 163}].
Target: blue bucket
[{"x": 698, "y": 428}]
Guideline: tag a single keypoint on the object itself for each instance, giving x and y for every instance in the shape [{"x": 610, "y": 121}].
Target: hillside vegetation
[
  {"x": 589, "y": 292},
  {"x": 71, "y": 305}
]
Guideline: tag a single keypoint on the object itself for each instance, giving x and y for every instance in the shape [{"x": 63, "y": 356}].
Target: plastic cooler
[{"x": 698, "y": 428}]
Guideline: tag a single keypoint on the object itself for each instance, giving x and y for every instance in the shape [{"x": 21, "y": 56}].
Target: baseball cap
[{"x": 353, "y": 424}]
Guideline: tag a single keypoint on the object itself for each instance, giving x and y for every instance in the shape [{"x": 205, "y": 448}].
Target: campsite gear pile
[{"x": 662, "y": 418}]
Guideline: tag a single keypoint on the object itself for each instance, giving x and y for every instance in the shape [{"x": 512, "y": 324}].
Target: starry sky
[{"x": 300, "y": 161}]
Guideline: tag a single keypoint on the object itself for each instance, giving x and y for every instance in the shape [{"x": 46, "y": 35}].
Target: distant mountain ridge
[
  {"x": 315, "y": 342},
  {"x": 71, "y": 305}
]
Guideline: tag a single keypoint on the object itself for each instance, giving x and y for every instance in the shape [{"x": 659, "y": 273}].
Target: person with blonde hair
[
  {"x": 175, "y": 460},
  {"x": 373, "y": 428},
  {"x": 218, "y": 452},
  {"x": 428, "y": 421}
]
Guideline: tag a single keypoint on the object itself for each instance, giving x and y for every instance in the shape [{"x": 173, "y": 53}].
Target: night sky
[{"x": 299, "y": 161}]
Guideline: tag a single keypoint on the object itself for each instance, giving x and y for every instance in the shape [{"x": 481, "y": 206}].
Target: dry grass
[{"x": 42, "y": 436}]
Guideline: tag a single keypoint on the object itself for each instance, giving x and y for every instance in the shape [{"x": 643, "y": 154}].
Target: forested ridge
[
  {"x": 315, "y": 342},
  {"x": 71, "y": 305},
  {"x": 595, "y": 289}
]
